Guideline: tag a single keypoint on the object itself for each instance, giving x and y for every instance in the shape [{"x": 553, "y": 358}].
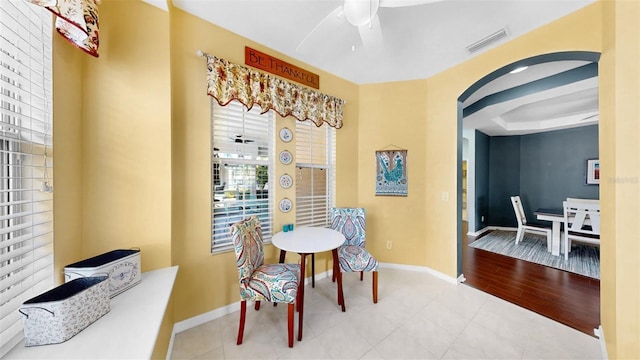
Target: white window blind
[
  {"x": 26, "y": 210},
  {"x": 241, "y": 163},
  {"x": 315, "y": 179}
]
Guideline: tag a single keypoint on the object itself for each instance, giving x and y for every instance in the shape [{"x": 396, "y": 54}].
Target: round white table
[
  {"x": 308, "y": 240},
  {"x": 305, "y": 241}
]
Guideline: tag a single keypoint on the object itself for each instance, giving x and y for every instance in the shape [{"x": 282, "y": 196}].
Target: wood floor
[{"x": 568, "y": 298}]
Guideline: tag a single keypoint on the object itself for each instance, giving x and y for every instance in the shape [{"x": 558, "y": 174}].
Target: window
[
  {"x": 26, "y": 208},
  {"x": 240, "y": 169},
  {"x": 315, "y": 178}
]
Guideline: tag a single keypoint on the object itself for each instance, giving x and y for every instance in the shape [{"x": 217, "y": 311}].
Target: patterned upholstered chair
[
  {"x": 352, "y": 255},
  {"x": 276, "y": 283}
]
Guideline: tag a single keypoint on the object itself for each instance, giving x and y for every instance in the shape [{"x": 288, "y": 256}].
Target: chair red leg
[
  {"x": 243, "y": 312},
  {"x": 336, "y": 265},
  {"x": 257, "y": 305},
  {"x": 298, "y": 299},
  {"x": 361, "y": 275},
  {"x": 336, "y": 268},
  {"x": 375, "y": 287},
  {"x": 338, "y": 275},
  {"x": 290, "y": 311},
  {"x": 340, "y": 293}
]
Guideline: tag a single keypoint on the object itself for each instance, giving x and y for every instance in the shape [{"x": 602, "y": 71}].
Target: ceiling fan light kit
[{"x": 360, "y": 12}]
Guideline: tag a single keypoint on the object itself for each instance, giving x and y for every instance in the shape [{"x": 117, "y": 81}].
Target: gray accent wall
[
  {"x": 543, "y": 168},
  {"x": 481, "y": 180},
  {"x": 553, "y": 168},
  {"x": 505, "y": 167}
]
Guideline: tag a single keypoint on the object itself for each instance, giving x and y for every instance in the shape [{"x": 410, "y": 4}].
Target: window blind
[
  {"x": 241, "y": 163},
  {"x": 26, "y": 208},
  {"x": 315, "y": 180}
]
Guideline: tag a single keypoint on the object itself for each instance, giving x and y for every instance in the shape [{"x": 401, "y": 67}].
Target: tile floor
[{"x": 418, "y": 316}]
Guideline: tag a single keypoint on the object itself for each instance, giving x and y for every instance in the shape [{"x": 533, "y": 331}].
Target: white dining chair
[
  {"x": 581, "y": 223},
  {"x": 523, "y": 227},
  {"x": 589, "y": 201}
]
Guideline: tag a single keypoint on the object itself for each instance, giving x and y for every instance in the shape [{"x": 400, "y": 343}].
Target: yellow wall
[
  {"x": 112, "y": 141},
  {"x": 620, "y": 159},
  {"x": 393, "y": 117},
  {"x": 126, "y": 135},
  {"x": 207, "y": 282},
  {"x": 67, "y": 155},
  {"x": 139, "y": 143},
  {"x": 429, "y": 229},
  {"x": 421, "y": 116}
]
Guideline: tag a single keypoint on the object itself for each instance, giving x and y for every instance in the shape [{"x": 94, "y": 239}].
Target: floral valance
[
  {"x": 76, "y": 21},
  {"x": 227, "y": 81}
]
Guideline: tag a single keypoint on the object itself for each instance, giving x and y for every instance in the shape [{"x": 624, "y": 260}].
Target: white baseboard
[
  {"x": 218, "y": 313},
  {"x": 420, "y": 269},
  {"x": 228, "y": 309},
  {"x": 199, "y": 320},
  {"x": 599, "y": 332},
  {"x": 491, "y": 228},
  {"x": 225, "y": 310}
]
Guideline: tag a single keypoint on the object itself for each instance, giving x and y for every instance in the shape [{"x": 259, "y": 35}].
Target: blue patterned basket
[
  {"x": 60, "y": 313},
  {"x": 122, "y": 267}
]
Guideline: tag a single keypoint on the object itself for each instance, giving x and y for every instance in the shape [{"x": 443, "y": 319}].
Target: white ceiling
[
  {"x": 415, "y": 42},
  {"x": 562, "y": 107}
]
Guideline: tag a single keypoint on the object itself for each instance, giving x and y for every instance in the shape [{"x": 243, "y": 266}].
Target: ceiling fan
[
  {"x": 363, "y": 16},
  {"x": 239, "y": 139}
]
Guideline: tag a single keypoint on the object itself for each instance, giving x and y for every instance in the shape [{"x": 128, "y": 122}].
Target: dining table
[
  {"x": 556, "y": 216},
  {"x": 307, "y": 240}
]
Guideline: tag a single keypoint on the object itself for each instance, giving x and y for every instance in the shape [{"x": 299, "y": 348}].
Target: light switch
[{"x": 445, "y": 196}]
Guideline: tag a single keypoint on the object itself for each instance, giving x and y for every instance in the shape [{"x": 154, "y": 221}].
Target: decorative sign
[
  {"x": 391, "y": 172},
  {"x": 278, "y": 67}
]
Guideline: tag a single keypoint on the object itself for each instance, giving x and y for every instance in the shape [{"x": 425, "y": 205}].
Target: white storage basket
[
  {"x": 60, "y": 313},
  {"x": 122, "y": 266}
]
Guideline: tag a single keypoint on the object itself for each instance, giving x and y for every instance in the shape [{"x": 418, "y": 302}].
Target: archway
[
  {"x": 519, "y": 91},
  {"x": 477, "y": 264}
]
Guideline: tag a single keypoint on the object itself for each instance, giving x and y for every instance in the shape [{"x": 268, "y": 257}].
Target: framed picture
[
  {"x": 593, "y": 172},
  {"x": 391, "y": 172}
]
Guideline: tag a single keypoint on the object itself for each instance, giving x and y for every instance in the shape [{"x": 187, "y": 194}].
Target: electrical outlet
[
  {"x": 445, "y": 196},
  {"x": 389, "y": 244},
  {"x": 482, "y": 218}
]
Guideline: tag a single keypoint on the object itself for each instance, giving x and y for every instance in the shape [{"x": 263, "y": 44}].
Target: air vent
[{"x": 484, "y": 42}]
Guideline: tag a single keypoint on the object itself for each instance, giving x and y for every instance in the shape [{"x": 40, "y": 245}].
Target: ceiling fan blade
[
  {"x": 402, "y": 3},
  {"x": 371, "y": 34},
  {"x": 332, "y": 20}
]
